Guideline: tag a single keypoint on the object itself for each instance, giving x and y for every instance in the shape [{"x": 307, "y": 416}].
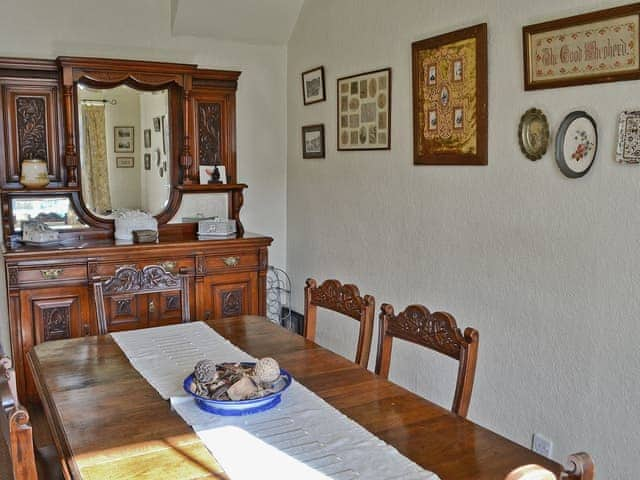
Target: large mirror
[{"x": 124, "y": 146}]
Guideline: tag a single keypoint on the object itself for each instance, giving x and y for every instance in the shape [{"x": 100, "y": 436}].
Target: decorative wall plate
[
  {"x": 628, "y": 149},
  {"x": 533, "y": 134},
  {"x": 576, "y": 144}
]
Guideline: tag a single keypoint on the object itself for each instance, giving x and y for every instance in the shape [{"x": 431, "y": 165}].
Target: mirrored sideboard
[{"x": 111, "y": 135}]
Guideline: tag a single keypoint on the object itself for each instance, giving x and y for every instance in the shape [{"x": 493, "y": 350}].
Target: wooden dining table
[{"x": 107, "y": 421}]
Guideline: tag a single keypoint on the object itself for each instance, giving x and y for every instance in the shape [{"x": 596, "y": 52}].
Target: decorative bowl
[{"x": 240, "y": 407}]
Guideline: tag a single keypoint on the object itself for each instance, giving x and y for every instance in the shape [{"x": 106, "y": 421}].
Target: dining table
[{"x": 108, "y": 422}]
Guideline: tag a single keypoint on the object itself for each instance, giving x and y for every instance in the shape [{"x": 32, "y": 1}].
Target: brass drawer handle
[
  {"x": 52, "y": 274},
  {"x": 231, "y": 261},
  {"x": 170, "y": 267}
]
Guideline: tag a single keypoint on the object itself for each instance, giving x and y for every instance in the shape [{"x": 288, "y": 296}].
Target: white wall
[
  {"x": 141, "y": 29},
  {"x": 544, "y": 266}
]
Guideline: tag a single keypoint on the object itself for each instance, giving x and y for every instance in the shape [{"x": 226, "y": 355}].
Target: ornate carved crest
[
  {"x": 151, "y": 277},
  {"x": 418, "y": 325},
  {"x": 340, "y": 298},
  {"x": 57, "y": 323},
  {"x": 32, "y": 127},
  {"x": 209, "y": 133},
  {"x": 232, "y": 303}
]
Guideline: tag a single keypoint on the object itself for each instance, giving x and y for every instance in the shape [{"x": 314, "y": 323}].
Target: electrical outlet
[{"x": 541, "y": 445}]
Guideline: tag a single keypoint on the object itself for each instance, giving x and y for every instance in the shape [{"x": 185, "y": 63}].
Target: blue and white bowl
[{"x": 241, "y": 407}]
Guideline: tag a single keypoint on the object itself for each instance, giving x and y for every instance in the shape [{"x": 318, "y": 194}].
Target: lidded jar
[{"x": 34, "y": 173}]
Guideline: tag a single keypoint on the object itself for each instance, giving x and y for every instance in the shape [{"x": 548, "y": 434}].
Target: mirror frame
[{"x": 146, "y": 76}]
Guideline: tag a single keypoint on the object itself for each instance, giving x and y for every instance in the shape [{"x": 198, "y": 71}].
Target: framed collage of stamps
[
  {"x": 364, "y": 111},
  {"x": 450, "y": 98}
]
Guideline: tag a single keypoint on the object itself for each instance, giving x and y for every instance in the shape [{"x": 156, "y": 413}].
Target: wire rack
[{"x": 279, "y": 297}]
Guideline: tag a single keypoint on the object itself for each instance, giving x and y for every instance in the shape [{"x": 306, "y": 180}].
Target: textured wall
[
  {"x": 544, "y": 266},
  {"x": 141, "y": 29}
]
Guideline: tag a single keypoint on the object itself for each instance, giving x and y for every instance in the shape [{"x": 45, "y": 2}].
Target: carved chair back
[
  {"x": 128, "y": 282},
  {"x": 437, "y": 331},
  {"x": 343, "y": 299},
  {"x": 581, "y": 467},
  {"x": 15, "y": 426}
]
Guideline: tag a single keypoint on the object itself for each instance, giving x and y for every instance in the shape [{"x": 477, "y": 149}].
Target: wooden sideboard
[{"x": 51, "y": 290}]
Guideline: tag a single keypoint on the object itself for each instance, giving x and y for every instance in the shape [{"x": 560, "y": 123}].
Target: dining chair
[
  {"x": 18, "y": 434},
  {"x": 140, "y": 298},
  {"x": 437, "y": 331},
  {"x": 343, "y": 299},
  {"x": 581, "y": 467}
]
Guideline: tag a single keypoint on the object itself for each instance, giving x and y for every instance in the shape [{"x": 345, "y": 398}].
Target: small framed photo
[
  {"x": 123, "y": 141},
  {"x": 147, "y": 161},
  {"x": 158, "y": 157},
  {"x": 147, "y": 138},
  {"x": 125, "y": 162},
  {"x": 156, "y": 124},
  {"x": 207, "y": 174},
  {"x": 313, "y": 90},
  {"x": 313, "y": 141}
]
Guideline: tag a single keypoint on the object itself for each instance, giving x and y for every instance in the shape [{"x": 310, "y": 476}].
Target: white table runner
[{"x": 302, "y": 438}]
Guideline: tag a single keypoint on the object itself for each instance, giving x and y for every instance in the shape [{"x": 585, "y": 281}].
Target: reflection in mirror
[
  {"x": 56, "y": 212},
  {"x": 124, "y": 149}
]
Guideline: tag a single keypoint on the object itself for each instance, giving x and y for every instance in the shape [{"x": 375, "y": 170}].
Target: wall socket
[{"x": 542, "y": 445}]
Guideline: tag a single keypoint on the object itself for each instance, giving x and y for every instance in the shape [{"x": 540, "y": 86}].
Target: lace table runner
[{"x": 302, "y": 438}]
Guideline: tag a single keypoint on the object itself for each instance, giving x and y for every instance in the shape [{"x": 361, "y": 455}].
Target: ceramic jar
[{"x": 34, "y": 173}]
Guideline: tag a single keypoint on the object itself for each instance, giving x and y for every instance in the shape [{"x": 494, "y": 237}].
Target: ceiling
[{"x": 247, "y": 21}]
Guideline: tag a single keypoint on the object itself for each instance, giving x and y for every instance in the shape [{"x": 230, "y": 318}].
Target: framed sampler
[
  {"x": 594, "y": 47},
  {"x": 450, "y": 98}
]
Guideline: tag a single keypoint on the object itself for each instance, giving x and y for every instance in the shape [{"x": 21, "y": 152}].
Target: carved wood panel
[
  {"x": 31, "y": 129},
  {"x": 209, "y": 133},
  {"x": 56, "y": 322},
  {"x": 232, "y": 302}
]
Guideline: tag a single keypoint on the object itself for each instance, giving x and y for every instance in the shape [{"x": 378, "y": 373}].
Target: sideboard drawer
[
  {"x": 173, "y": 265},
  {"x": 52, "y": 274},
  {"x": 233, "y": 261}
]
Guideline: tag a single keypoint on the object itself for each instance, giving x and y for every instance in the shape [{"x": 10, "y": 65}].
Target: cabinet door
[
  {"x": 231, "y": 294},
  {"x": 126, "y": 312},
  {"x": 51, "y": 314},
  {"x": 165, "y": 308}
]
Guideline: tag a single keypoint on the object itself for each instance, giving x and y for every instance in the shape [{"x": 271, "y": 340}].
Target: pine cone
[{"x": 205, "y": 372}]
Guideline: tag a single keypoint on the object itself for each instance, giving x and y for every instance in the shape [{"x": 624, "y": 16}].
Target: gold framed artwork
[
  {"x": 364, "y": 111},
  {"x": 594, "y": 47},
  {"x": 450, "y": 98}
]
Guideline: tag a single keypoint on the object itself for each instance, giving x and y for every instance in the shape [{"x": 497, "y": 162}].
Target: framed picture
[
  {"x": 313, "y": 141},
  {"x": 576, "y": 144},
  {"x": 147, "y": 138},
  {"x": 313, "y": 86},
  {"x": 147, "y": 161},
  {"x": 123, "y": 140},
  {"x": 364, "y": 111},
  {"x": 207, "y": 174},
  {"x": 156, "y": 124},
  {"x": 125, "y": 162},
  {"x": 628, "y": 148},
  {"x": 158, "y": 157},
  {"x": 165, "y": 134},
  {"x": 450, "y": 98},
  {"x": 595, "y": 47}
]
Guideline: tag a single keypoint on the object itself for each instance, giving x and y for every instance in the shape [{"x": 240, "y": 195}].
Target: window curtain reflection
[{"x": 95, "y": 168}]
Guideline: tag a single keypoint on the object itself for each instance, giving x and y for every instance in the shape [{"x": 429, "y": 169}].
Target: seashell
[
  {"x": 242, "y": 389},
  {"x": 266, "y": 370},
  {"x": 205, "y": 371}
]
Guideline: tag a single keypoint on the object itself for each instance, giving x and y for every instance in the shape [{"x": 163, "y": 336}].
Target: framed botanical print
[
  {"x": 313, "y": 141},
  {"x": 450, "y": 98},
  {"x": 313, "y": 90},
  {"x": 364, "y": 111},
  {"x": 594, "y": 47},
  {"x": 576, "y": 144}
]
